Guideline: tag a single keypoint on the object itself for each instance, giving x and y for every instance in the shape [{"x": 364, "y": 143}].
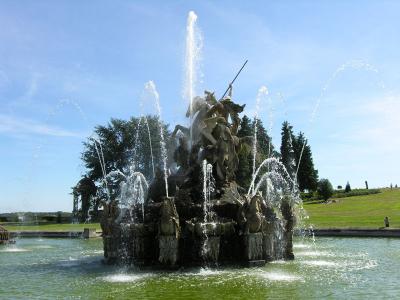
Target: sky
[{"x": 331, "y": 69}]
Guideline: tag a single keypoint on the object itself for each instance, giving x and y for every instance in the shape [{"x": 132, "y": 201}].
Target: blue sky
[{"x": 66, "y": 66}]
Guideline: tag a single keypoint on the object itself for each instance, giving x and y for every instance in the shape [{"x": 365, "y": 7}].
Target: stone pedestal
[
  {"x": 278, "y": 243},
  {"x": 138, "y": 247},
  {"x": 89, "y": 233},
  {"x": 142, "y": 246},
  {"x": 253, "y": 245},
  {"x": 111, "y": 248},
  {"x": 268, "y": 247},
  {"x": 168, "y": 246},
  {"x": 288, "y": 237}
]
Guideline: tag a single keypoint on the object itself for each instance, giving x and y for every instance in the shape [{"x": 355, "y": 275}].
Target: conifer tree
[
  {"x": 307, "y": 175},
  {"x": 287, "y": 150},
  {"x": 245, "y": 153},
  {"x": 265, "y": 147},
  {"x": 347, "y": 188}
]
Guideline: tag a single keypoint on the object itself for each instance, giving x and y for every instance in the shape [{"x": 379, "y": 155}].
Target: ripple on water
[
  {"x": 43, "y": 247},
  {"x": 279, "y": 276},
  {"x": 207, "y": 272},
  {"x": 301, "y": 246},
  {"x": 71, "y": 262},
  {"x": 122, "y": 278},
  {"x": 279, "y": 262},
  {"x": 92, "y": 252},
  {"x": 14, "y": 249},
  {"x": 313, "y": 253},
  {"x": 320, "y": 263}
]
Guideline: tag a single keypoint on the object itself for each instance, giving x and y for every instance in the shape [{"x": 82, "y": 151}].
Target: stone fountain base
[{"x": 197, "y": 244}]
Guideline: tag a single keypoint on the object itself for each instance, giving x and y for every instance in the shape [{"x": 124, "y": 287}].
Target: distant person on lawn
[{"x": 386, "y": 220}]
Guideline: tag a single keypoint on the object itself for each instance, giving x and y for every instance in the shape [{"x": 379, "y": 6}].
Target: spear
[{"x": 234, "y": 79}]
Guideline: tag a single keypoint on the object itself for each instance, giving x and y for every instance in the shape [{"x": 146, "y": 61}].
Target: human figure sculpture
[
  {"x": 227, "y": 159},
  {"x": 254, "y": 217},
  {"x": 181, "y": 155},
  {"x": 250, "y": 215},
  {"x": 200, "y": 109}
]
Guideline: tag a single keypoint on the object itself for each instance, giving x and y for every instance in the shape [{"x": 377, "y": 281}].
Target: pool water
[{"x": 345, "y": 268}]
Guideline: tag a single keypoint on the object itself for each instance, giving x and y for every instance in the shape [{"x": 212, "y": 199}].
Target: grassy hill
[{"x": 357, "y": 212}]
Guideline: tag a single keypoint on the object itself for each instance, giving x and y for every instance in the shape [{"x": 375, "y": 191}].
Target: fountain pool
[{"x": 331, "y": 268}]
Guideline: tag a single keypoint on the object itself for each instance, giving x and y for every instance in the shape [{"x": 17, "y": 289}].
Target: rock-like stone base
[
  {"x": 168, "y": 246},
  {"x": 253, "y": 243},
  {"x": 197, "y": 244},
  {"x": 210, "y": 249},
  {"x": 255, "y": 263}
]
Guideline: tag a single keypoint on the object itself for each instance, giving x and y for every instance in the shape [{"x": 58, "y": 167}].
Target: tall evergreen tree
[
  {"x": 347, "y": 188},
  {"x": 244, "y": 171},
  {"x": 246, "y": 128},
  {"x": 287, "y": 150},
  {"x": 245, "y": 153},
  {"x": 265, "y": 147},
  {"x": 307, "y": 175}
]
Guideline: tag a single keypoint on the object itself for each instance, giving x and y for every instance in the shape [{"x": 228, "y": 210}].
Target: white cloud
[{"x": 15, "y": 126}]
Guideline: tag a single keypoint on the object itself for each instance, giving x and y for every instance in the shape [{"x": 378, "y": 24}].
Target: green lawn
[
  {"x": 352, "y": 212},
  {"x": 52, "y": 227},
  {"x": 358, "y": 211}
]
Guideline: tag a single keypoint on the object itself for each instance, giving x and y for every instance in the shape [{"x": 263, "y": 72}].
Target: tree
[
  {"x": 347, "y": 188},
  {"x": 123, "y": 144},
  {"x": 325, "y": 189},
  {"x": 244, "y": 171},
  {"x": 287, "y": 150},
  {"x": 245, "y": 127},
  {"x": 265, "y": 148},
  {"x": 307, "y": 175}
]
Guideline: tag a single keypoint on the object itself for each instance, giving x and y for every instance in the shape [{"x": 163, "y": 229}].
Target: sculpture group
[{"x": 200, "y": 218}]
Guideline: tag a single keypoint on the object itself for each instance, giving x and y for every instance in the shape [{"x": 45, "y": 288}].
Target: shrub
[
  {"x": 360, "y": 192},
  {"x": 347, "y": 188},
  {"x": 325, "y": 189}
]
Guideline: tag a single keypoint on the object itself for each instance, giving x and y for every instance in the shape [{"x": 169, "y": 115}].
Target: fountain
[{"x": 197, "y": 214}]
